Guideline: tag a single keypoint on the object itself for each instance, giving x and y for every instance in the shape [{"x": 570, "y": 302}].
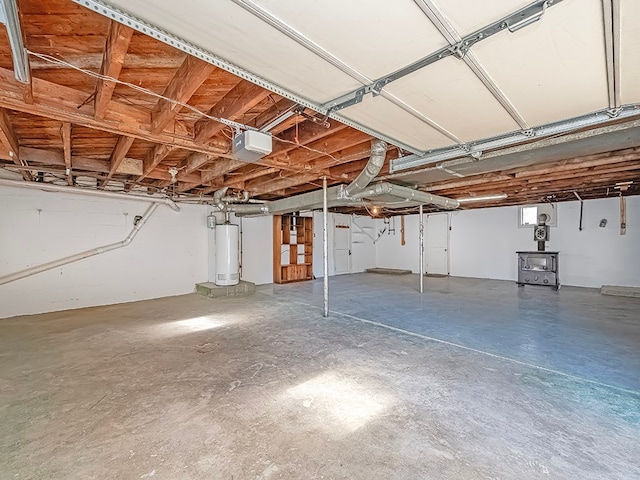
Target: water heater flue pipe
[{"x": 12, "y": 277}]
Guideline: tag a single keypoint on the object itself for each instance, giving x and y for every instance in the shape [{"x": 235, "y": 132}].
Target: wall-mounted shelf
[{"x": 292, "y": 248}]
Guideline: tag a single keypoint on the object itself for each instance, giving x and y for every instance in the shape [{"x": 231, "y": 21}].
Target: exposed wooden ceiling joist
[{"x": 114, "y": 133}]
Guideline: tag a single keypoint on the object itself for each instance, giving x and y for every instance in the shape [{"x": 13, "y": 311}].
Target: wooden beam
[
  {"x": 302, "y": 134},
  {"x": 153, "y": 159},
  {"x": 220, "y": 168},
  {"x": 187, "y": 79},
  {"x": 324, "y": 147},
  {"x": 117, "y": 156},
  {"x": 7, "y": 136},
  {"x": 118, "y": 40},
  {"x": 267, "y": 186},
  {"x": 66, "y": 104},
  {"x": 240, "y": 99},
  {"x": 193, "y": 162},
  {"x": 542, "y": 169},
  {"x": 10, "y": 142},
  {"x": 66, "y": 148},
  {"x": 258, "y": 172},
  {"x": 128, "y": 166}
]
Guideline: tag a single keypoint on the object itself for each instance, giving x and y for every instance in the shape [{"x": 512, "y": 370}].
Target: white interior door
[
  {"x": 342, "y": 243},
  {"x": 437, "y": 243}
]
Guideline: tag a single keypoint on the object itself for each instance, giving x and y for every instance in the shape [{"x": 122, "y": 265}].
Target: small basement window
[{"x": 528, "y": 215}]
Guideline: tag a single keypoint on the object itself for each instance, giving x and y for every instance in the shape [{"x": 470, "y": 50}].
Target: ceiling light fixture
[{"x": 484, "y": 198}]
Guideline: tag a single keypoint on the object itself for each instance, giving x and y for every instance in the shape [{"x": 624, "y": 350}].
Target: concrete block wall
[
  {"x": 168, "y": 256},
  {"x": 483, "y": 243}
]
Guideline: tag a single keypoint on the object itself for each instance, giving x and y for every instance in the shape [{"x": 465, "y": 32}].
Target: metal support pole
[
  {"x": 421, "y": 250},
  {"x": 325, "y": 245}
]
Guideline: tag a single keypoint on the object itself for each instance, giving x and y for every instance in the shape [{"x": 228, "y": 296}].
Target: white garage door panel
[
  {"x": 554, "y": 69},
  {"x": 468, "y": 16},
  {"x": 382, "y": 115},
  {"x": 551, "y": 70},
  {"x": 630, "y": 51},
  {"x": 449, "y": 93},
  {"x": 234, "y": 34},
  {"x": 397, "y": 31}
]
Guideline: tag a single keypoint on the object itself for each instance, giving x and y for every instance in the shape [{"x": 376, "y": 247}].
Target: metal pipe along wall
[{"x": 12, "y": 277}]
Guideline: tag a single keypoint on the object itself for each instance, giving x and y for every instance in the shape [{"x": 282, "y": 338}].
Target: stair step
[
  {"x": 633, "y": 292},
  {"x": 211, "y": 290}
]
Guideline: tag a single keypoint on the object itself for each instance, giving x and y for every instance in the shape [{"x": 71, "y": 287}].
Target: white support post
[
  {"x": 325, "y": 245},
  {"x": 421, "y": 271}
]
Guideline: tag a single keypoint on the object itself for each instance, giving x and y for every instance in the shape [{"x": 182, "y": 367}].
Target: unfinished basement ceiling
[
  {"x": 554, "y": 69},
  {"x": 65, "y": 126}
]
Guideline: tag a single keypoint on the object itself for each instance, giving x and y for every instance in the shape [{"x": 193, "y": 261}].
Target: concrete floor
[{"x": 473, "y": 379}]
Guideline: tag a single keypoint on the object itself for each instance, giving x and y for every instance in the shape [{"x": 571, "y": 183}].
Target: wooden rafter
[
  {"x": 303, "y": 134},
  {"x": 117, "y": 156},
  {"x": 62, "y": 103},
  {"x": 10, "y": 142},
  {"x": 118, "y": 40},
  {"x": 135, "y": 138},
  {"x": 265, "y": 186},
  {"x": 153, "y": 159},
  {"x": 242, "y": 98},
  {"x": 66, "y": 149},
  {"x": 187, "y": 79},
  {"x": 83, "y": 164}
]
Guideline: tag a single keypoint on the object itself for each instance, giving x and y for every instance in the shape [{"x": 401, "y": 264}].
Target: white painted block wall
[
  {"x": 592, "y": 257},
  {"x": 363, "y": 254},
  {"x": 390, "y": 253},
  {"x": 483, "y": 243},
  {"x": 168, "y": 256},
  {"x": 257, "y": 249}
]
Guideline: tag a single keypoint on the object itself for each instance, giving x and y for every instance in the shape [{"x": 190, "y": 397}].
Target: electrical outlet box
[{"x": 250, "y": 146}]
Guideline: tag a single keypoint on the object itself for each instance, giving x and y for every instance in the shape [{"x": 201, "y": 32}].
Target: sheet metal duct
[
  {"x": 374, "y": 165},
  {"x": 338, "y": 196},
  {"x": 408, "y": 194}
]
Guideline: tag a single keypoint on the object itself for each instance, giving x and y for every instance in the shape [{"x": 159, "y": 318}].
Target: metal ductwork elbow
[
  {"x": 374, "y": 165},
  {"x": 408, "y": 194}
]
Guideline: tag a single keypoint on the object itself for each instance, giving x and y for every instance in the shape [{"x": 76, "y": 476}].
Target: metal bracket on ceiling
[
  {"x": 614, "y": 112},
  {"x": 513, "y": 22},
  {"x": 529, "y": 133}
]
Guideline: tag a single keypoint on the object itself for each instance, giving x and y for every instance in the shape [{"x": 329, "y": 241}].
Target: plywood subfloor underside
[{"x": 265, "y": 388}]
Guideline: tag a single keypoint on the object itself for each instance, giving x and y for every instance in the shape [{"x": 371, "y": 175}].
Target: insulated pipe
[
  {"x": 421, "y": 271},
  {"x": 374, "y": 165},
  {"x": 82, "y": 255},
  {"x": 49, "y": 187},
  {"x": 385, "y": 188},
  {"x": 325, "y": 246}
]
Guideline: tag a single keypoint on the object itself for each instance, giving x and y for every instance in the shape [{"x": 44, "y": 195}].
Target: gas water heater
[{"x": 227, "y": 264}]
